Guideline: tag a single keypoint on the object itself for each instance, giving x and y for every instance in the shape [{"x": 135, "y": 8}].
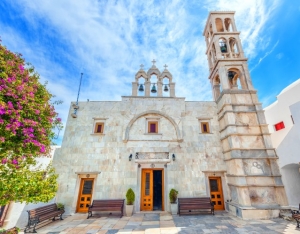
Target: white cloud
[
  {"x": 108, "y": 40},
  {"x": 265, "y": 55}
]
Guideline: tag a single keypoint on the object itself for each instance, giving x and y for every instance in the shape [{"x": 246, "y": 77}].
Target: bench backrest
[
  {"x": 195, "y": 200},
  {"x": 108, "y": 202},
  {"x": 42, "y": 210}
]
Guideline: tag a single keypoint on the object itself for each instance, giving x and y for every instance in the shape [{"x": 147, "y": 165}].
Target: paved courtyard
[{"x": 164, "y": 223}]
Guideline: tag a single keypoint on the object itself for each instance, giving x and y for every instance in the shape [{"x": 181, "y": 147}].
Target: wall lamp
[
  {"x": 130, "y": 157},
  {"x": 173, "y": 157}
]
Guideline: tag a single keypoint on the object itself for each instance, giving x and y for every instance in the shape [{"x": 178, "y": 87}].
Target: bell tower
[{"x": 253, "y": 178}]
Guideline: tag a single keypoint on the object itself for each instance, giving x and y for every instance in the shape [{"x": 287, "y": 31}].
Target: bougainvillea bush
[{"x": 27, "y": 120}]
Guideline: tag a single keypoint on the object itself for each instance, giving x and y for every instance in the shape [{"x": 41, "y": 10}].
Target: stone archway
[{"x": 126, "y": 135}]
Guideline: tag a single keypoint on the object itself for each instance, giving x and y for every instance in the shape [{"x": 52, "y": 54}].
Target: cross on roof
[
  {"x": 142, "y": 66},
  {"x": 166, "y": 66},
  {"x": 153, "y": 61}
]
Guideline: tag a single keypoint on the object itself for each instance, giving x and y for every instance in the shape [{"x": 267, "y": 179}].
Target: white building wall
[
  {"x": 17, "y": 215},
  {"x": 287, "y": 140},
  {"x": 280, "y": 111}
]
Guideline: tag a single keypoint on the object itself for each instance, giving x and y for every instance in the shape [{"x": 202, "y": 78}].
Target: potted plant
[
  {"x": 60, "y": 206},
  {"x": 130, "y": 197},
  {"x": 173, "y": 198}
]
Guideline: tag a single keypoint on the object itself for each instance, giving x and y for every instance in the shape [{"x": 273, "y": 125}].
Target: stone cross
[
  {"x": 166, "y": 66},
  {"x": 142, "y": 67},
  {"x": 153, "y": 62}
]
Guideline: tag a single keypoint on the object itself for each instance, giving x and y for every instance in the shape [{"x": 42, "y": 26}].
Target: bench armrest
[{"x": 34, "y": 219}]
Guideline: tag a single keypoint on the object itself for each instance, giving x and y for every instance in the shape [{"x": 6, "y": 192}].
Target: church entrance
[
  {"x": 85, "y": 195},
  {"x": 152, "y": 194},
  {"x": 216, "y": 193}
]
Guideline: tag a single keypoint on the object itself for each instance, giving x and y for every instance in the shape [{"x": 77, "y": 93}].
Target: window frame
[
  {"x": 205, "y": 121},
  {"x": 96, "y": 123},
  {"x": 149, "y": 126},
  {"x": 150, "y": 120},
  {"x": 279, "y": 126},
  {"x": 202, "y": 123}
]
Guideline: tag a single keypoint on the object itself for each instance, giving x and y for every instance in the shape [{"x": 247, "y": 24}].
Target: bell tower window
[
  {"x": 223, "y": 46},
  {"x": 219, "y": 25}
]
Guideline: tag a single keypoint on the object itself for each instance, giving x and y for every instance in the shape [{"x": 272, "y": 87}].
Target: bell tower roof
[
  {"x": 166, "y": 73},
  {"x": 141, "y": 73},
  {"x": 153, "y": 70}
]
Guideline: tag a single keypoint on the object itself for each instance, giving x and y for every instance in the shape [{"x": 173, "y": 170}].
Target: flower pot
[
  {"x": 129, "y": 210},
  {"x": 174, "y": 208}
]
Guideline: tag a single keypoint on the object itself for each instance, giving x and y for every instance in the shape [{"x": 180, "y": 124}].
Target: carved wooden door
[
  {"x": 85, "y": 195},
  {"x": 216, "y": 193},
  {"x": 147, "y": 190}
]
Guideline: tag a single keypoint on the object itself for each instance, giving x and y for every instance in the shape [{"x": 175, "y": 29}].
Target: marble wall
[{"x": 106, "y": 156}]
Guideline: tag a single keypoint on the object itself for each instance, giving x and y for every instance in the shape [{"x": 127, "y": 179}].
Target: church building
[{"x": 153, "y": 141}]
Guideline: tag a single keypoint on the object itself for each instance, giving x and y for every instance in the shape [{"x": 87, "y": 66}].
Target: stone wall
[{"x": 106, "y": 156}]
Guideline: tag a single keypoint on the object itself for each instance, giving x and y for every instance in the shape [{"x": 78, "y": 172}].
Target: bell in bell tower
[
  {"x": 253, "y": 177},
  {"x": 145, "y": 86}
]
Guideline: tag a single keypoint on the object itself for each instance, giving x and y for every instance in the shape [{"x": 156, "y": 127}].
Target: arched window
[
  {"x": 223, "y": 45},
  {"x": 219, "y": 25},
  {"x": 236, "y": 81},
  {"x": 153, "y": 86},
  {"x": 141, "y": 86},
  {"x": 233, "y": 47},
  {"x": 228, "y": 25},
  {"x": 166, "y": 87},
  {"x": 217, "y": 87}
]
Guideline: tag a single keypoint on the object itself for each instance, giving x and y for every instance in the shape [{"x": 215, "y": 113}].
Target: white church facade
[{"x": 153, "y": 143}]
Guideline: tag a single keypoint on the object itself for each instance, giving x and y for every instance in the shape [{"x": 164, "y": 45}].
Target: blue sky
[{"x": 108, "y": 40}]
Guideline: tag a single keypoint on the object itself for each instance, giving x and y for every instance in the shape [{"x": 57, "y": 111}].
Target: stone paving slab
[{"x": 164, "y": 223}]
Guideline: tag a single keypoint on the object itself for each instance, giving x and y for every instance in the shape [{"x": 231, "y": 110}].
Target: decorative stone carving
[{"x": 152, "y": 155}]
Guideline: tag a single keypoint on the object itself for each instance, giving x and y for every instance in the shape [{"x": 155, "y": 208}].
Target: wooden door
[
  {"x": 85, "y": 195},
  {"x": 147, "y": 190},
  {"x": 216, "y": 193}
]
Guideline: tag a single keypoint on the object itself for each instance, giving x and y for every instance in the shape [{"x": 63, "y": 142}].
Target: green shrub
[
  {"x": 130, "y": 197},
  {"x": 173, "y": 195},
  {"x": 60, "y": 206}
]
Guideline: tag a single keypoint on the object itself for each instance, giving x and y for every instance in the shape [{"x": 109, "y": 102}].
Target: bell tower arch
[{"x": 253, "y": 176}]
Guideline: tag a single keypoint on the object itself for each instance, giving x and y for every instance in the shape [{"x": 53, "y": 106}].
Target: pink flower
[
  {"x": 42, "y": 149},
  {"x": 14, "y": 161},
  {"x": 4, "y": 161},
  {"x": 21, "y": 68},
  {"x": 58, "y": 119},
  {"x": 2, "y": 139},
  {"x": 37, "y": 112},
  {"x": 10, "y": 105},
  {"x": 2, "y": 110}
]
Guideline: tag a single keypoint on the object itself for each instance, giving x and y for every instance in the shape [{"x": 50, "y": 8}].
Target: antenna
[{"x": 75, "y": 106}]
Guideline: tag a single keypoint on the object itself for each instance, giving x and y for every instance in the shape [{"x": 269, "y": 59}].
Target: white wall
[
  {"x": 287, "y": 140},
  {"x": 17, "y": 212},
  {"x": 280, "y": 111}
]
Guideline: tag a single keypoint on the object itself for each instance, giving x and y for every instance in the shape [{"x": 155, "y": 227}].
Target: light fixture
[
  {"x": 166, "y": 89},
  {"x": 130, "y": 157},
  {"x": 141, "y": 88},
  {"x": 173, "y": 157}
]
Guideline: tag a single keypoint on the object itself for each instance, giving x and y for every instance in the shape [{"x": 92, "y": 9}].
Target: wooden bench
[
  {"x": 106, "y": 205},
  {"x": 296, "y": 216},
  {"x": 41, "y": 214},
  {"x": 195, "y": 204}
]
